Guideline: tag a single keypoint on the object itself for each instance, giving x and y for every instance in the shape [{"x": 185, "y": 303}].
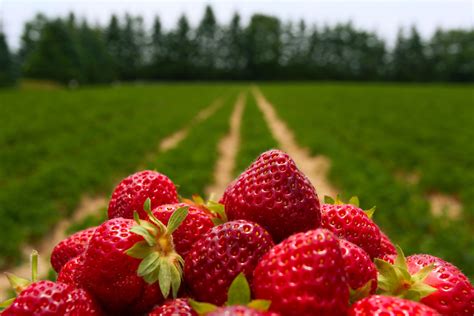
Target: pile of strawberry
[{"x": 269, "y": 238}]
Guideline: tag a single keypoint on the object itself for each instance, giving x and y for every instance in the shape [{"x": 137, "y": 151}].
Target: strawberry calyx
[
  {"x": 215, "y": 209},
  {"x": 238, "y": 294},
  {"x": 160, "y": 262},
  {"x": 395, "y": 279},
  {"x": 18, "y": 284},
  {"x": 361, "y": 292},
  {"x": 353, "y": 201}
]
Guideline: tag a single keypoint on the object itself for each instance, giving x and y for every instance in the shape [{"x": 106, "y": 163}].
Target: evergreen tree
[
  {"x": 181, "y": 50},
  {"x": 56, "y": 56},
  {"x": 232, "y": 57},
  {"x": 131, "y": 58},
  {"x": 409, "y": 62},
  {"x": 263, "y": 41},
  {"x": 30, "y": 36},
  {"x": 452, "y": 55},
  {"x": 157, "y": 51},
  {"x": 207, "y": 45},
  {"x": 114, "y": 44},
  {"x": 96, "y": 63},
  {"x": 7, "y": 72}
]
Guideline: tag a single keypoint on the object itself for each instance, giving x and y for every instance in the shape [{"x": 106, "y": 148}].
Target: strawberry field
[
  {"x": 372, "y": 133},
  {"x": 57, "y": 146},
  {"x": 394, "y": 146}
]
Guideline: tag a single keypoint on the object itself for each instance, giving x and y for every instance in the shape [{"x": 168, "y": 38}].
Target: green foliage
[
  {"x": 371, "y": 133},
  {"x": 7, "y": 70},
  {"x": 58, "y": 145},
  {"x": 56, "y": 56},
  {"x": 265, "y": 48}
]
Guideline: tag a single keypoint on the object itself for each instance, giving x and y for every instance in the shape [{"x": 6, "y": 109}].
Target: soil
[
  {"x": 443, "y": 204},
  {"x": 228, "y": 148}
]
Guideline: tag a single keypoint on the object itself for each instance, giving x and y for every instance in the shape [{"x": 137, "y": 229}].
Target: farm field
[
  {"x": 58, "y": 145},
  {"x": 392, "y": 145}
]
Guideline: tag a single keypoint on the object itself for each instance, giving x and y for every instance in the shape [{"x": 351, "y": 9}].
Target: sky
[{"x": 382, "y": 16}]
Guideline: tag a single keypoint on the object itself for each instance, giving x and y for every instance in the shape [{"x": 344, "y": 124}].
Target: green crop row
[
  {"x": 191, "y": 164},
  {"x": 373, "y": 132},
  {"x": 255, "y": 137},
  {"x": 58, "y": 145}
]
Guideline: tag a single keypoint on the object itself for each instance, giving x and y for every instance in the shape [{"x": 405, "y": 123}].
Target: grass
[
  {"x": 372, "y": 132},
  {"x": 58, "y": 145}
]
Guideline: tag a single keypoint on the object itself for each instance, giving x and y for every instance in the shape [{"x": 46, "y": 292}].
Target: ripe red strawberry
[
  {"x": 177, "y": 307},
  {"x": 70, "y": 248},
  {"x": 304, "y": 275},
  {"x": 275, "y": 194},
  {"x": 389, "y": 306},
  {"x": 454, "y": 293},
  {"x": 239, "y": 311},
  {"x": 350, "y": 222},
  {"x": 359, "y": 268},
  {"x": 428, "y": 279},
  {"x": 71, "y": 272},
  {"x": 130, "y": 194},
  {"x": 130, "y": 266},
  {"x": 387, "y": 250},
  {"x": 197, "y": 223},
  {"x": 50, "y": 298},
  {"x": 220, "y": 255}
]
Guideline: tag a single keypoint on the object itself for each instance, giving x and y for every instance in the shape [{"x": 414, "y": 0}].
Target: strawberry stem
[{"x": 34, "y": 266}]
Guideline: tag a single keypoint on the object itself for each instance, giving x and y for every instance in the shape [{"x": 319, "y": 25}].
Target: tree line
[{"x": 68, "y": 50}]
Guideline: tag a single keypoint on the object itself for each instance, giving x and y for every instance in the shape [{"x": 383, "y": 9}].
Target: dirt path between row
[
  {"x": 316, "y": 168},
  {"x": 228, "y": 148},
  {"x": 89, "y": 206},
  {"x": 445, "y": 205},
  {"x": 173, "y": 140}
]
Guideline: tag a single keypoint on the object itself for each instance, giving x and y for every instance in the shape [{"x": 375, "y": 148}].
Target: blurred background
[
  {"x": 382, "y": 90},
  {"x": 237, "y": 40}
]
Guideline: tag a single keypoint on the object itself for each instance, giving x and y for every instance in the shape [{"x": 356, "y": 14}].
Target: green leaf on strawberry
[
  {"x": 238, "y": 294},
  {"x": 396, "y": 280},
  {"x": 159, "y": 260},
  {"x": 353, "y": 201}
]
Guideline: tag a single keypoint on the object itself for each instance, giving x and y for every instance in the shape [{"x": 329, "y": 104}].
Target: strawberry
[
  {"x": 387, "y": 250},
  {"x": 130, "y": 194},
  {"x": 304, "y": 275},
  {"x": 70, "y": 248},
  {"x": 389, "y": 306},
  {"x": 71, "y": 272},
  {"x": 361, "y": 271},
  {"x": 275, "y": 194},
  {"x": 428, "y": 279},
  {"x": 350, "y": 222},
  {"x": 50, "y": 298},
  {"x": 238, "y": 303},
  {"x": 220, "y": 255},
  {"x": 131, "y": 266},
  {"x": 239, "y": 311},
  {"x": 177, "y": 307},
  {"x": 454, "y": 293},
  {"x": 197, "y": 223},
  {"x": 46, "y": 297}
]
